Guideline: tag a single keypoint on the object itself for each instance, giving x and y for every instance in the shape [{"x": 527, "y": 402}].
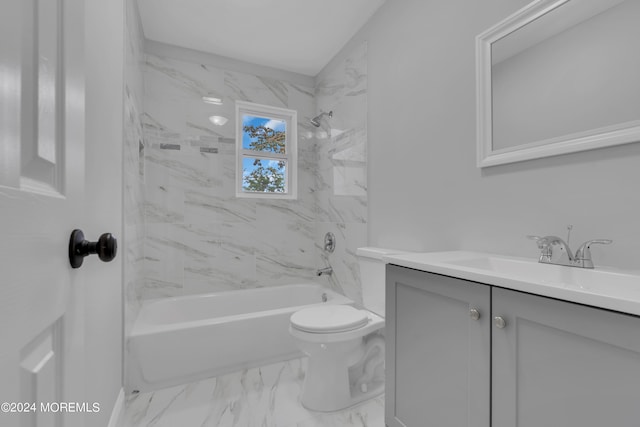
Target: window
[{"x": 266, "y": 151}]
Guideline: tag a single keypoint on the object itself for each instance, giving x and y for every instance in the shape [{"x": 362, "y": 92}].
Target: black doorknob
[{"x": 106, "y": 248}]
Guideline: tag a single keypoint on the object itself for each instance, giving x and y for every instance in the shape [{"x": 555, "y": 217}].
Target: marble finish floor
[{"x": 260, "y": 397}]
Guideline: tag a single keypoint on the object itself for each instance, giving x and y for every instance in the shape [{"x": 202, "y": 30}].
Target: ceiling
[{"x": 294, "y": 35}]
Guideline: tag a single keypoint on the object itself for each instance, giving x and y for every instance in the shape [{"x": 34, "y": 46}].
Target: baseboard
[{"x": 117, "y": 414}]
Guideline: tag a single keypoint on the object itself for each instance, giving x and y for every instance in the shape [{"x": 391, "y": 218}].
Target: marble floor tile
[{"x": 261, "y": 397}]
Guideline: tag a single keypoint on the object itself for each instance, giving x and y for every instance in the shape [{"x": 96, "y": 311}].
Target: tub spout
[{"x": 326, "y": 270}]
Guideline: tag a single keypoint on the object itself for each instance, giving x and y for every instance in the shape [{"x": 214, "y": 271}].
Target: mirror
[{"x": 558, "y": 76}]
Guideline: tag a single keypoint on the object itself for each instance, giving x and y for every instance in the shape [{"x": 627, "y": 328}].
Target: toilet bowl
[
  {"x": 344, "y": 344},
  {"x": 341, "y": 361}
]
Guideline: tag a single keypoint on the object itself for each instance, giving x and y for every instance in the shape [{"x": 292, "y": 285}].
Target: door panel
[
  {"x": 41, "y": 191},
  {"x": 437, "y": 355},
  {"x": 558, "y": 363},
  {"x": 40, "y": 375},
  {"x": 42, "y": 90}
]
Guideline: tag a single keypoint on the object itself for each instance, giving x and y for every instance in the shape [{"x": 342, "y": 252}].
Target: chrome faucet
[
  {"x": 326, "y": 270},
  {"x": 554, "y": 250},
  {"x": 583, "y": 254}
]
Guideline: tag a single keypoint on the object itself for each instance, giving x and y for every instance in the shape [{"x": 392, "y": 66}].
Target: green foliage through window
[
  {"x": 266, "y": 151},
  {"x": 264, "y": 175},
  {"x": 260, "y": 174}
]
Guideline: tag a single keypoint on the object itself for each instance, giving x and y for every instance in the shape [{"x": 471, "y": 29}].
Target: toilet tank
[{"x": 372, "y": 277}]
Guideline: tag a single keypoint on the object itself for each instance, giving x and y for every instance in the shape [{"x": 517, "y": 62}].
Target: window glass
[
  {"x": 266, "y": 151},
  {"x": 264, "y": 134},
  {"x": 264, "y": 175}
]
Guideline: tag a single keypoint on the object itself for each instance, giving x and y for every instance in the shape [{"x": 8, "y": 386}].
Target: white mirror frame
[{"x": 622, "y": 133}]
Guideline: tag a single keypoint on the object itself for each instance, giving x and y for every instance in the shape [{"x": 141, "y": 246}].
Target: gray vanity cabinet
[
  {"x": 557, "y": 363},
  {"x": 527, "y": 361},
  {"x": 437, "y": 365}
]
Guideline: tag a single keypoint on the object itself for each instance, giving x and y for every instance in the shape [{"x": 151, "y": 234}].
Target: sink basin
[
  {"x": 503, "y": 265},
  {"x": 596, "y": 280},
  {"x": 601, "y": 287}
]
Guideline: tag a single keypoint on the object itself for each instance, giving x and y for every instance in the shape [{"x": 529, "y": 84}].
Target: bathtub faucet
[{"x": 326, "y": 270}]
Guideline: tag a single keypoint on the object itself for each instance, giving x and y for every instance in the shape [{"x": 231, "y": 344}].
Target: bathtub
[{"x": 184, "y": 339}]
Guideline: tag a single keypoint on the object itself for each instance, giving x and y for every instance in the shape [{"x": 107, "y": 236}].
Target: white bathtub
[{"x": 183, "y": 339}]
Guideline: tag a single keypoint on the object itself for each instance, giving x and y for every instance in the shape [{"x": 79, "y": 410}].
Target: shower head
[{"x": 316, "y": 120}]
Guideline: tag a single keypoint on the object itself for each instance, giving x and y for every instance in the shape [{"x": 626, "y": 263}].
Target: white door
[{"x": 41, "y": 198}]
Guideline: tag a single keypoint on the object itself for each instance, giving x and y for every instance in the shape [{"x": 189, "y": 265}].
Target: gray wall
[{"x": 425, "y": 192}]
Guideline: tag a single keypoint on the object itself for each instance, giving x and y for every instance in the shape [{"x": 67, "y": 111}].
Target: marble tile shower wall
[
  {"x": 341, "y": 186},
  {"x": 133, "y": 205},
  {"x": 199, "y": 236}
]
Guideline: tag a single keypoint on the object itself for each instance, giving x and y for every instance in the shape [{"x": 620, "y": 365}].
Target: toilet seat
[
  {"x": 354, "y": 327},
  {"x": 328, "y": 319}
]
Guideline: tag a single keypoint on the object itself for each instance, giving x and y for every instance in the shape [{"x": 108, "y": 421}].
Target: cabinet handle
[
  {"x": 499, "y": 322},
  {"x": 474, "y": 314}
]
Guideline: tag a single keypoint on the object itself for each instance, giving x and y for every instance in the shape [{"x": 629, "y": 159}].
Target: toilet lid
[{"x": 329, "y": 318}]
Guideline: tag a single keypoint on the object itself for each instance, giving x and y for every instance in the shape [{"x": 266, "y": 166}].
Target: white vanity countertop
[{"x": 600, "y": 287}]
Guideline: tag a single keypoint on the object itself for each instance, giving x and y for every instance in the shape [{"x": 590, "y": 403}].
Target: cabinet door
[
  {"x": 562, "y": 364},
  {"x": 437, "y": 371}
]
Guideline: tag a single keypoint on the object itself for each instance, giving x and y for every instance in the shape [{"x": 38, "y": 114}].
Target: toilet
[{"x": 343, "y": 343}]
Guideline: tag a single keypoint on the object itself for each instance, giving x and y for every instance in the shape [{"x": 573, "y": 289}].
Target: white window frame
[{"x": 290, "y": 117}]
